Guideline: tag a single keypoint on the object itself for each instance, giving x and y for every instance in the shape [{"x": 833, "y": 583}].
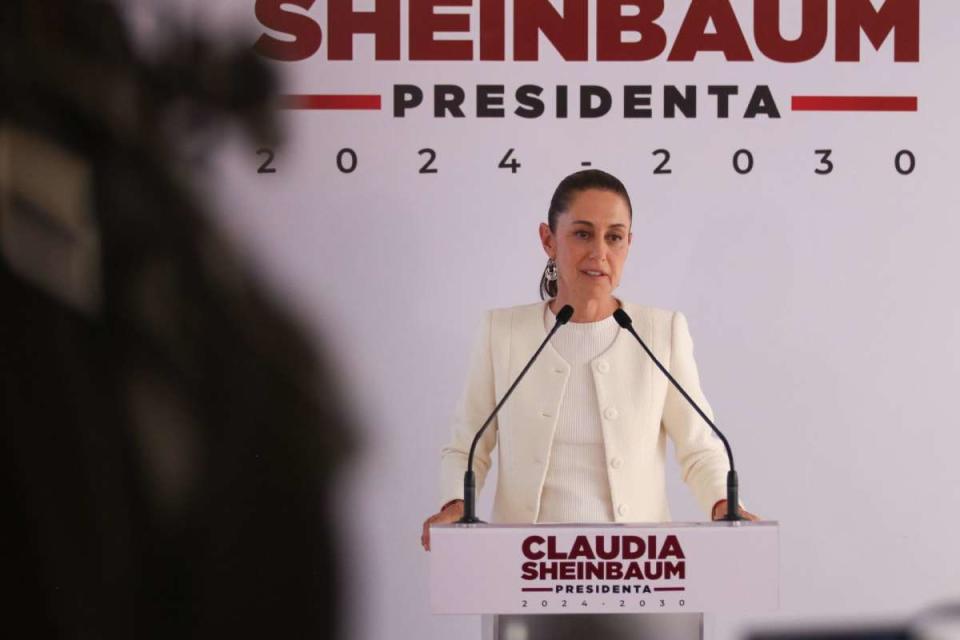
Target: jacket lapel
[
  {"x": 627, "y": 386},
  {"x": 542, "y": 388}
]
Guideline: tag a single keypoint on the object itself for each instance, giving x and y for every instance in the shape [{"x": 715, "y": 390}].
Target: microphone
[
  {"x": 733, "y": 502},
  {"x": 469, "y": 479}
]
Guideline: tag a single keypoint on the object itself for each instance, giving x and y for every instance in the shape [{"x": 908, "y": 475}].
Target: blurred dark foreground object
[
  {"x": 847, "y": 632},
  {"x": 935, "y": 623},
  {"x": 169, "y": 436}
]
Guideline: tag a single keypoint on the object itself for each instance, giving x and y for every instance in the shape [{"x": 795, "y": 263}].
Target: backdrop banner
[{"x": 791, "y": 167}]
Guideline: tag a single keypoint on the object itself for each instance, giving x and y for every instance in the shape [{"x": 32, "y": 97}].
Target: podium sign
[{"x": 615, "y": 568}]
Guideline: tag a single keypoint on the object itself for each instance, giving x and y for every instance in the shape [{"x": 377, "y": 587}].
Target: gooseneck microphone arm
[
  {"x": 469, "y": 479},
  {"x": 733, "y": 484}
]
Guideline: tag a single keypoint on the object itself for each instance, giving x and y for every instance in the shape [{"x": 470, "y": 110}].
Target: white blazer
[{"x": 639, "y": 409}]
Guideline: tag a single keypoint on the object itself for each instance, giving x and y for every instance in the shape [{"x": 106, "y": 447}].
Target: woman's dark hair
[{"x": 569, "y": 187}]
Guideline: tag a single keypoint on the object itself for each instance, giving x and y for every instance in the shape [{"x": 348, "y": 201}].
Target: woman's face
[{"x": 590, "y": 243}]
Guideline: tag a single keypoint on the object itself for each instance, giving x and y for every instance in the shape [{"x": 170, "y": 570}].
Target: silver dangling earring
[{"x": 551, "y": 271}]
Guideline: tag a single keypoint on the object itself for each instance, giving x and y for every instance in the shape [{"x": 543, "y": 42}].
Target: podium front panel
[{"x": 616, "y": 568}]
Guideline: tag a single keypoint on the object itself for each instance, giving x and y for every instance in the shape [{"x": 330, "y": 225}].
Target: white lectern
[{"x": 533, "y": 577}]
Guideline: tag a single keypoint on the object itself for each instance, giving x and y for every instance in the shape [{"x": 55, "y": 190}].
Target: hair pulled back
[{"x": 564, "y": 194}]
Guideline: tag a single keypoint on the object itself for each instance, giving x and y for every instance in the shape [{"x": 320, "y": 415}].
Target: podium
[{"x": 604, "y": 581}]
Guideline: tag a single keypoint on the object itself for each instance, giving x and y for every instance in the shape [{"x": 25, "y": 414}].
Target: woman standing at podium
[{"x": 583, "y": 437}]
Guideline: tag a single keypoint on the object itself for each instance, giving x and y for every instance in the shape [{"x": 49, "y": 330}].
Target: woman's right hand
[{"x": 451, "y": 512}]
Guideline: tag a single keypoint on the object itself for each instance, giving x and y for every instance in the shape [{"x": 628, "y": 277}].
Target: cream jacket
[{"x": 639, "y": 409}]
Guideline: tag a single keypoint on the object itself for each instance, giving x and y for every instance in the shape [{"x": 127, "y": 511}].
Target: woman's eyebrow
[{"x": 590, "y": 224}]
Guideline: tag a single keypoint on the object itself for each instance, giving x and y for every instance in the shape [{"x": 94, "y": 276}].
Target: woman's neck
[{"x": 586, "y": 309}]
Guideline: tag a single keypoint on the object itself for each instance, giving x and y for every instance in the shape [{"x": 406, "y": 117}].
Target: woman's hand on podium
[
  {"x": 720, "y": 510},
  {"x": 451, "y": 512}
]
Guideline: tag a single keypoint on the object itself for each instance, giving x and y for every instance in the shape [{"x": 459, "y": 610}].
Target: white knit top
[{"x": 577, "y": 488}]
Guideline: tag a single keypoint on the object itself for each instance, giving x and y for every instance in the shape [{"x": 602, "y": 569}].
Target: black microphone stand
[
  {"x": 469, "y": 478},
  {"x": 733, "y": 484}
]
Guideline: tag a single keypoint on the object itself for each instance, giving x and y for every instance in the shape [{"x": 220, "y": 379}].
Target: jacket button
[
  {"x": 622, "y": 510},
  {"x": 546, "y": 414},
  {"x": 559, "y": 370},
  {"x": 616, "y": 463},
  {"x": 611, "y": 413},
  {"x": 603, "y": 366}
]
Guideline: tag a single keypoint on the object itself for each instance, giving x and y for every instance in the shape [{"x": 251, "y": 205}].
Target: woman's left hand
[{"x": 720, "y": 510}]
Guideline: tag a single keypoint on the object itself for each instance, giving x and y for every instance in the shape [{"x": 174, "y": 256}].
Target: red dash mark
[
  {"x": 669, "y": 588},
  {"x": 854, "y": 103},
  {"x": 331, "y": 102},
  {"x": 536, "y": 589}
]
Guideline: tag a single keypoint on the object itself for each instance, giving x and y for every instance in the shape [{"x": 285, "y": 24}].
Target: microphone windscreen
[
  {"x": 622, "y": 318},
  {"x": 565, "y": 314}
]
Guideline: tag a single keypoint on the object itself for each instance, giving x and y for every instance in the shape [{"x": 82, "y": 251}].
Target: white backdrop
[{"x": 823, "y": 308}]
